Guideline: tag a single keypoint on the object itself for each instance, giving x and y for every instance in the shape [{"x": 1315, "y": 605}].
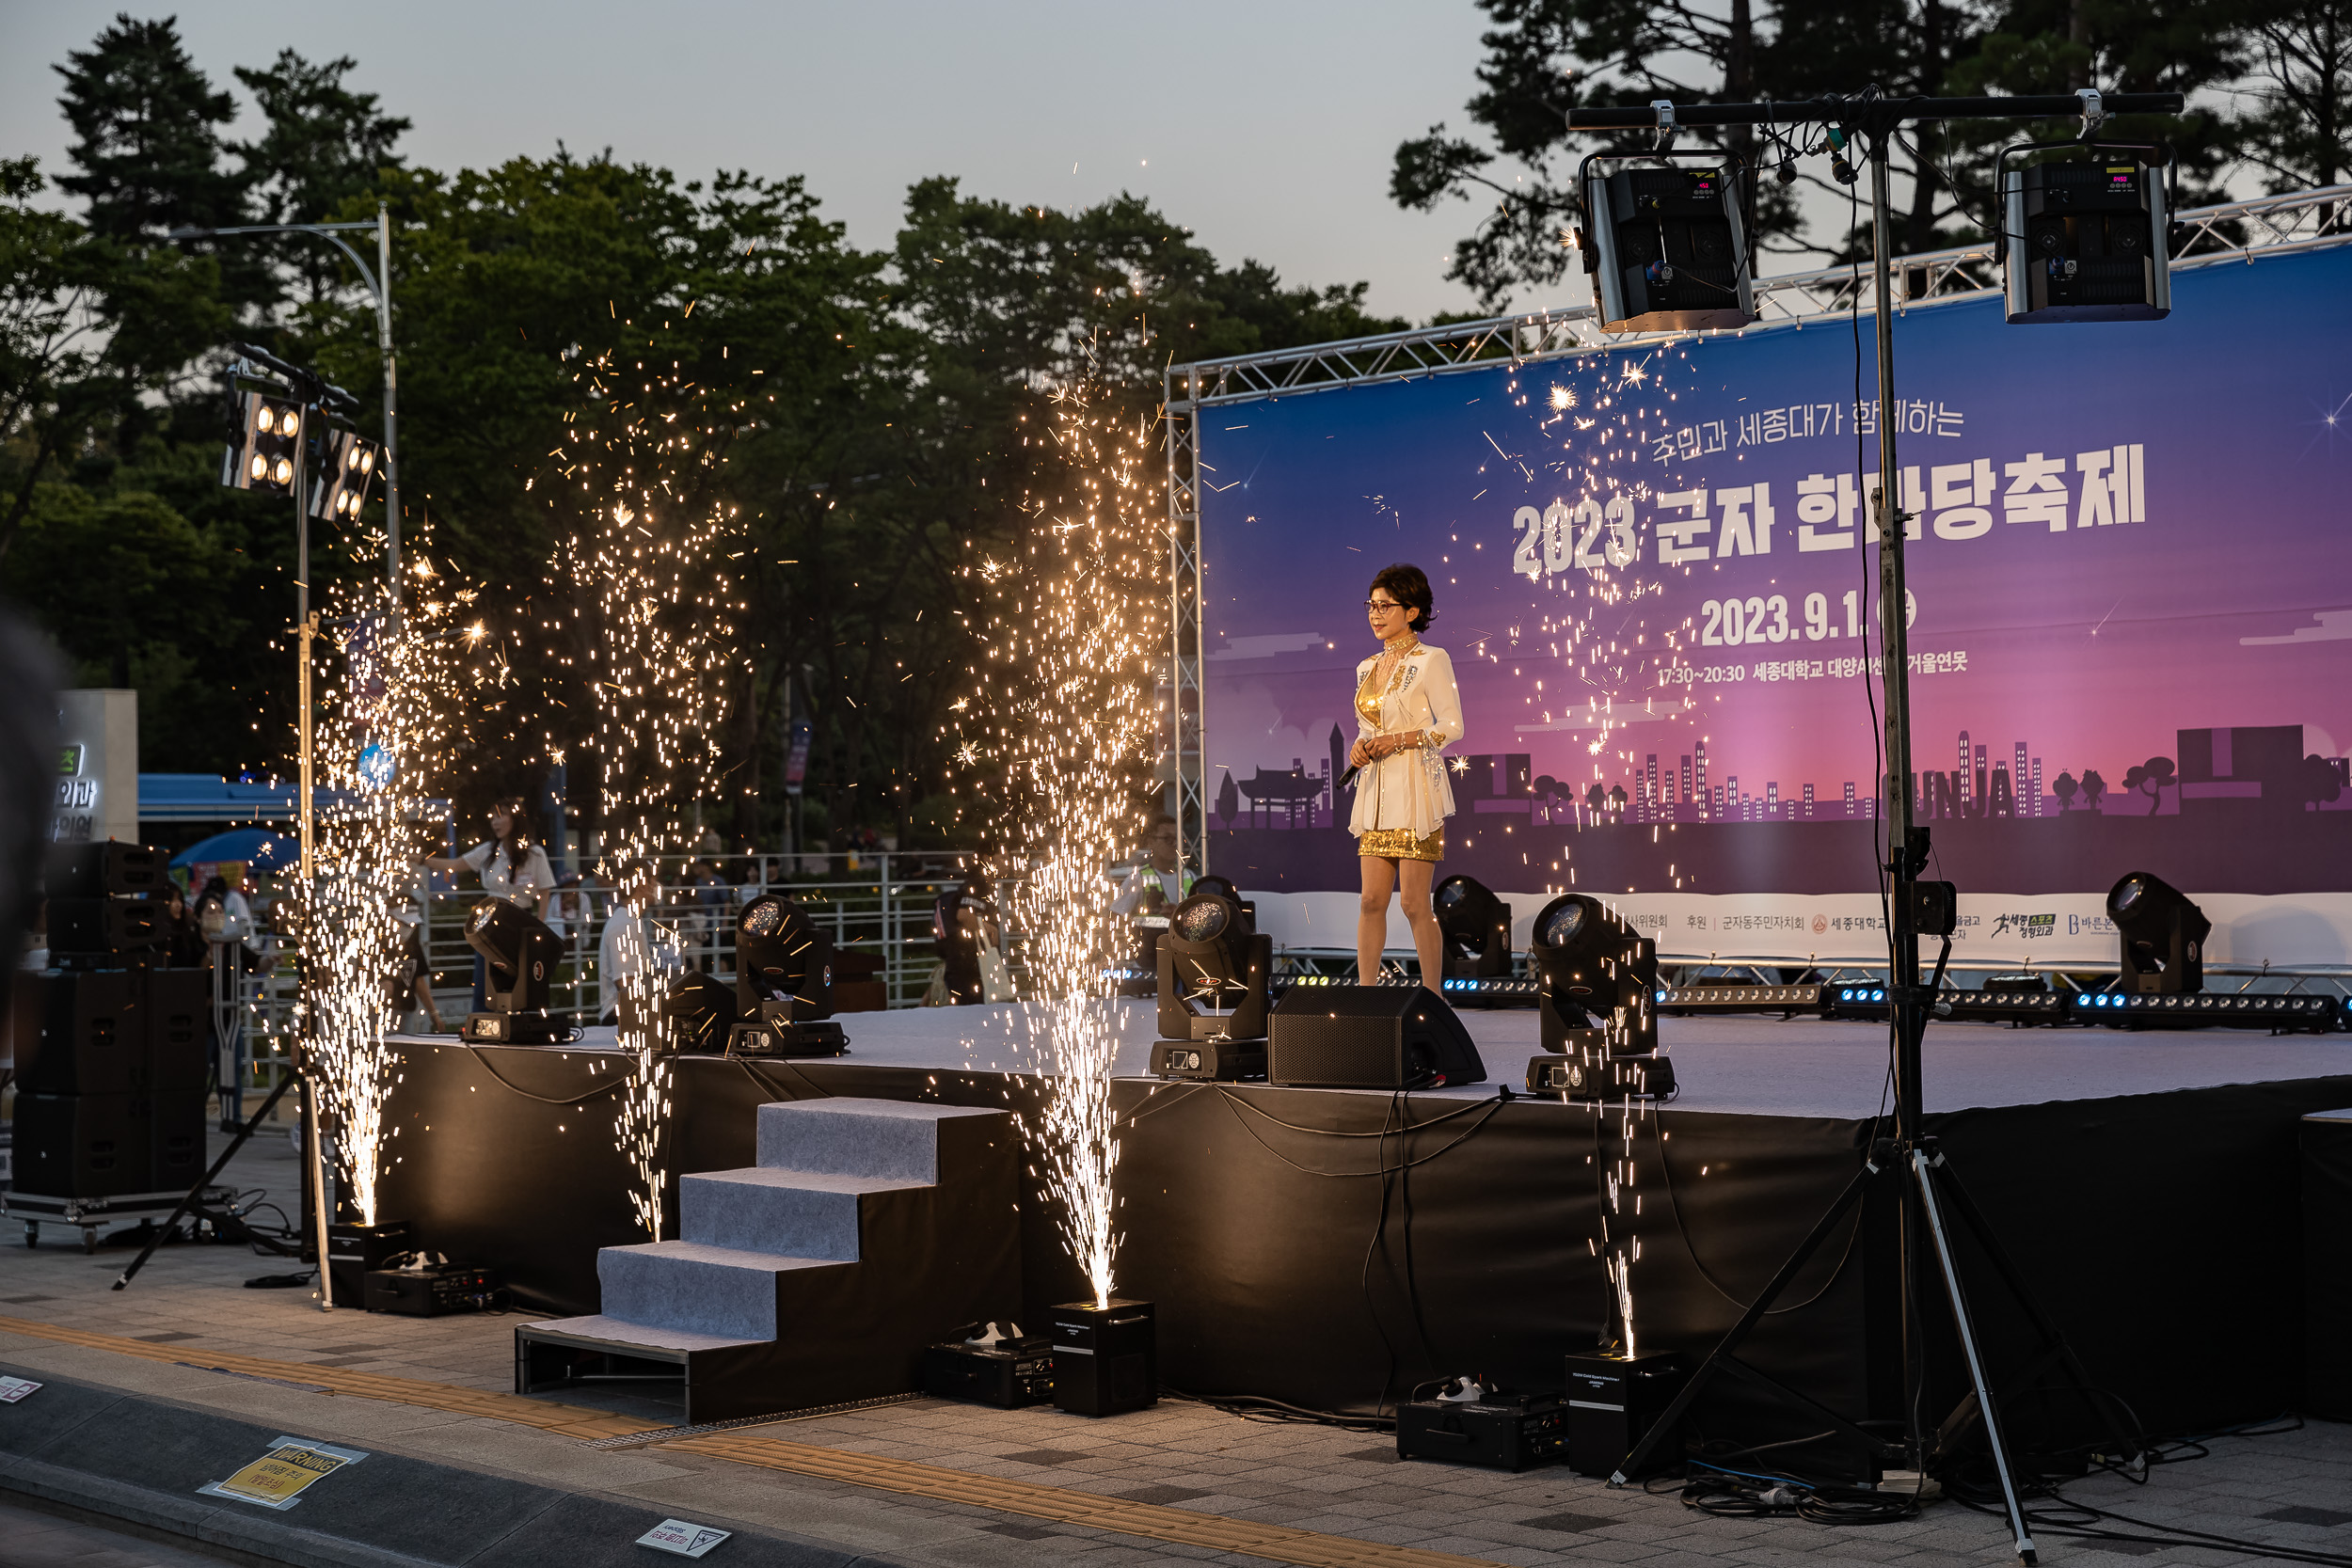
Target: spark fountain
[
  {"x": 382, "y": 744},
  {"x": 649, "y": 626},
  {"x": 1063, "y": 708}
]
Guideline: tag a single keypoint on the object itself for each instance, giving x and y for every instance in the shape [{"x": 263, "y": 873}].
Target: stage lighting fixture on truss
[
  {"x": 2162, "y": 935},
  {"x": 341, "y": 489},
  {"x": 520, "y": 954},
  {"x": 1599, "y": 982},
  {"x": 264, "y": 455},
  {"x": 2085, "y": 240},
  {"x": 1666, "y": 243},
  {"x": 1214, "y": 969},
  {"x": 698, "y": 1015},
  {"x": 784, "y": 983}
]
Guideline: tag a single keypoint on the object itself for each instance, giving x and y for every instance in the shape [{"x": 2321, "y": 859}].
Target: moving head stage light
[
  {"x": 1213, "y": 967},
  {"x": 1476, "y": 929},
  {"x": 1667, "y": 246},
  {"x": 2163, "y": 937},
  {"x": 2085, "y": 242},
  {"x": 698, "y": 1014},
  {"x": 1599, "y": 980},
  {"x": 784, "y": 983},
  {"x": 520, "y": 954}
]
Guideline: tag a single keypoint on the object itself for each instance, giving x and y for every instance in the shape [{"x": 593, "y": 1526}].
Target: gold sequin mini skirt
[{"x": 1398, "y": 844}]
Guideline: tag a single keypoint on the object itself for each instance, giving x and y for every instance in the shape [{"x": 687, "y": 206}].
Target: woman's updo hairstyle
[{"x": 1408, "y": 587}]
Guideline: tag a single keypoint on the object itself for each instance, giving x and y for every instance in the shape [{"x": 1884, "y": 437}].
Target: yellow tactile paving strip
[{"x": 1090, "y": 1510}]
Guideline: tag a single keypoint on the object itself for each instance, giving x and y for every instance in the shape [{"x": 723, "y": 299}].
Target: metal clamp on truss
[
  {"x": 1665, "y": 108},
  {"x": 2094, "y": 114}
]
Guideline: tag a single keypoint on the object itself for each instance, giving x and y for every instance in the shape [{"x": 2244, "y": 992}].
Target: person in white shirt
[
  {"x": 631, "y": 944},
  {"x": 511, "y": 867},
  {"x": 1160, "y": 883}
]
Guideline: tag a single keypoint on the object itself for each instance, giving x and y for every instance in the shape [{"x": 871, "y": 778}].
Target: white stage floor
[{"x": 1755, "y": 1066}]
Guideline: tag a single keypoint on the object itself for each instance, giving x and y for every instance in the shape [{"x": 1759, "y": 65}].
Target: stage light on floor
[
  {"x": 1475, "y": 929},
  {"x": 2162, "y": 935},
  {"x": 1667, "y": 247},
  {"x": 1213, "y": 968},
  {"x": 1598, "y": 1022},
  {"x": 520, "y": 954},
  {"x": 2085, "y": 242}
]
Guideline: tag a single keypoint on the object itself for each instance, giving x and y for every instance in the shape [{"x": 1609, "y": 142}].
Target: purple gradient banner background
[{"x": 2194, "y": 662}]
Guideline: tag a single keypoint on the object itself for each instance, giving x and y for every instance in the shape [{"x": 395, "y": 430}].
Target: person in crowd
[
  {"x": 631, "y": 944},
  {"x": 183, "y": 945},
  {"x": 1159, "y": 883},
  {"x": 511, "y": 867},
  {"x": 1409, "y": 711},
  {"x": 567, "y": 909}
]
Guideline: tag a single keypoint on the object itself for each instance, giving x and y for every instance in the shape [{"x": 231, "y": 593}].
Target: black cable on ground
[{"x": 1257, "y": 1407}]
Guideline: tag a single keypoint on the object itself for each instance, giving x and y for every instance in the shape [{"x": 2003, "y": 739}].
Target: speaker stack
[{"x": 111, "y": 1055}]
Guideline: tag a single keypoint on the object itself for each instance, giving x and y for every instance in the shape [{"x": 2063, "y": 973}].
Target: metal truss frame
[{"x": 2240, "y": 232}]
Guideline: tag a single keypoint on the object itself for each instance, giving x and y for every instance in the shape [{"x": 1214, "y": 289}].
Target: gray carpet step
[
  {"x": 613, "y": 1331},
  {"x": 728, "y": 1291},
  {"x": 798, "y": 1213},
  {"x": 887, "y": 1139}
]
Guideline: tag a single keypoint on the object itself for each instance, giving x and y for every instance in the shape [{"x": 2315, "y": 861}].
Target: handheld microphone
[{"x": 1347, "y": 778}]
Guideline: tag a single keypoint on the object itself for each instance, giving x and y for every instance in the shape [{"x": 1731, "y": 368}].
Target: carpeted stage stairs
[{"x": 867, "y": 1229}]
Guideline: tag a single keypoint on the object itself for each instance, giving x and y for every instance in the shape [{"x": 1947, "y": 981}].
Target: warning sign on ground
[{"x": 277, "y": 1478}]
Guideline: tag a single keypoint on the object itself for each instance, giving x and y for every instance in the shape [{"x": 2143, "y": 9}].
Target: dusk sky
[{"x": 1268, "y": 129}]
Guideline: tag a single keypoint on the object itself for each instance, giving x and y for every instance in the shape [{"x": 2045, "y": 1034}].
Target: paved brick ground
[
  {"x": 36, "y": 1540},
  {"x": 2293, "y": 1490}
]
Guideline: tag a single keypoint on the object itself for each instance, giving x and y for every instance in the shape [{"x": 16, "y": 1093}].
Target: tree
[
  {"x": 324, "y": 147},
  {"x": 2150, "y": 778},
  {"x": 147, "y": 143},
  {"x": 2319, "y": 782},
  {"x": 2299, "y": 133}
]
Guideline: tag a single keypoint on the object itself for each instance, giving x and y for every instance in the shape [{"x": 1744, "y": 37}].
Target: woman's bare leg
[
  {"x": 1416, "y": 877},
  {"x": 1371, "y": 917}
]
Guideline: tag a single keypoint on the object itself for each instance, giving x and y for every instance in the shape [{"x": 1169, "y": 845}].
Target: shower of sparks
[
  {"x": 642, "y": 543},
  {"x": 381, "y": 744},
  {"x": 1064, "y": 709}
]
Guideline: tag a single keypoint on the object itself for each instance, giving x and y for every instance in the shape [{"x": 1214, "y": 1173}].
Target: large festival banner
[{"x": 2130, "y": 622}]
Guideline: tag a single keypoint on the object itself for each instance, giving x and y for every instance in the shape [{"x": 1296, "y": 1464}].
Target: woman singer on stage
[{"x": 1408, "y": 712}]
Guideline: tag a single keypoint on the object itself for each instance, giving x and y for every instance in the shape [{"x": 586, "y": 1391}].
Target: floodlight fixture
[
  {"x": 269, "y": 440},
  {"x": 1666, "y": 239},
  {"x": 342, "y": 486},
  {"x": 520, "y": 954},
  {"x": 1474, "y": 929},
  {"x": 1213, "y": 967},
  {"x": 2162, "y": 935}
]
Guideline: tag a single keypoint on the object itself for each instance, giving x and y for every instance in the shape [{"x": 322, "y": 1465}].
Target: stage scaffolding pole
[{"x": 1874, "y": 120}]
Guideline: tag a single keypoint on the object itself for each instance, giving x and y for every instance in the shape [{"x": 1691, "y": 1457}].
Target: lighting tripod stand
[{"x": 1930, "y": 1185}]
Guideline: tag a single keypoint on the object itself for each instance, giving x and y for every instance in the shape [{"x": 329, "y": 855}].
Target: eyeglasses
[{"x": 1379, "y": 606}]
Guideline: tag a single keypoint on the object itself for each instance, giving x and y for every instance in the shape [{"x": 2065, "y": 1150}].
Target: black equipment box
[
  {"x": 1105, "y": 1358},
  {"x": 1597, "y": 1075},
  {"x": 111, "y": 1031},
  {"x": 353, "y": 1251},
  {"x": 1612, "y": 1402},
  {"x": 432, "y": 1292},
  {"x": 1369, "y": 1037},
  {"x": 773, "y": 1032},
  {"x": 514, "y": 1029},
  {"x": 1496, "y": 1432},
  {"x": 1008, "y": 1373},
  {"x": 1209, "y": 1061}
]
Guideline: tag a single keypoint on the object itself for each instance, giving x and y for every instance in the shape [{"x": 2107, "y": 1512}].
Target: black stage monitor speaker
[
  {"x": 1369, "y": 1037},
  {"x": 2162, "y": 935},
  {"x": 111, "y": 870},
  {"x": 2085, "y": 242},
  {"x": 83, "y": 1145},
  {"x": 1667, "y": 247}
]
